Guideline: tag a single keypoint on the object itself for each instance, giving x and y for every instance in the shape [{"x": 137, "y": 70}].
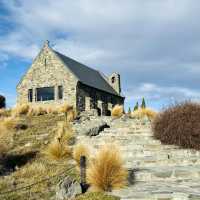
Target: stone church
[{"x": 54, "y": 78}]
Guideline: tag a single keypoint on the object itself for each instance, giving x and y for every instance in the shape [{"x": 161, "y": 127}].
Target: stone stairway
[{"x": 161, "y": 172}]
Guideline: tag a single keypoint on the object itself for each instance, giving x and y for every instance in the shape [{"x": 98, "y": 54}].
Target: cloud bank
[{"x": 154, "y": 45}]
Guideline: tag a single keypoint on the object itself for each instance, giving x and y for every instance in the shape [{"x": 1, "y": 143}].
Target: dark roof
[{"x": 87, "y": 75}]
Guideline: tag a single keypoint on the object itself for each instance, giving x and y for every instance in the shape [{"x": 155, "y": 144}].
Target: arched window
[{"x": 113, "y": 79}]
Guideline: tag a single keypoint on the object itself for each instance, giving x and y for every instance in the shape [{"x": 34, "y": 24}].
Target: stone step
[
  {"x": 160, "y": 190},
  {"x": 170, "y": 173},
  {"x": 121, "y": 140},
  {"x": 160, "y": 163}
]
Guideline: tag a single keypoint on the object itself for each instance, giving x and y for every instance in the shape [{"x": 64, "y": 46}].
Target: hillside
[
  {"x": 27, "y": 150},
  {"x": 156, "y": 171}
]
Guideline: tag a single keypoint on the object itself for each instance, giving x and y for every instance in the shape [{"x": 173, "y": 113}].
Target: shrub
[
  {"x": 142, "y": 112},
  {"x": 2, "y": 101},
  {"x": 136, "y": 106},
  {"x": 129, "y": 111},
  {"x": 80, "y": 150},
  {"x": 143, "y": 105},
  {"x": 106, "y": 170},
  {"x": 117, "y": 111},
  {"x": 179, "y": 125}
]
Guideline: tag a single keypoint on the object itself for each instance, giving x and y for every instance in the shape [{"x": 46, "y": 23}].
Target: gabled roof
[{"x": 87, "y": 75}]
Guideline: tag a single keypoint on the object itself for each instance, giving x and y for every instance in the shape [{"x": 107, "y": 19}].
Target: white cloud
[
  {"x": 154, "y": 92},
  {"x": 146, "y": 41}
]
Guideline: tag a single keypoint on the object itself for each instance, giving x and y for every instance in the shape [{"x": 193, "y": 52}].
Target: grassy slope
[
  {"x": 26, "y": 151},
  {"x": 27, "y": 154}
]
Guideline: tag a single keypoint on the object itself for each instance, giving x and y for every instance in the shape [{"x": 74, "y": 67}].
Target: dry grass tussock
[
  {"x": 96, "y": 196},
  {"x": 5, "y": 113},
  {"x": 36, "y": 110},
  {"x": 9, "y": 123},
  {"x": 20, "y": 110},
  {"x": 142, "y": 112},
  {"x": 59, "y": 147},
  {"x": 117, "y": 111},
  {"x": 106, "y": 171},
  {"x": 35, "y": 169},
  {"x": 6, "y": 140},
  {"x": 78, "y": 151},
  {"x": 69, "y": 112}
]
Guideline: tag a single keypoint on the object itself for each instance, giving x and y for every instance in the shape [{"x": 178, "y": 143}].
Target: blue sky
[{"x": 154, "y": 45}]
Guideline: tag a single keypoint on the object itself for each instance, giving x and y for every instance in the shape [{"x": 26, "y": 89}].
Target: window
[
  {"x": 113, "y": 79},
  {"x": 30, "y": 95},
  {"x": 60, "y": 92},
  {"x": 45, "y": 94}
]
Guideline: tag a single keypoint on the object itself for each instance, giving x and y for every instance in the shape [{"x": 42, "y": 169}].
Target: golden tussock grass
[
  {"x": 21, "y": 110},
  {"x": 78, "y": 151},
  {"x": 5, "y": 139},
  {"x": 65, "y": 108},
  {"x": 69, "y": 112},
  {"x": 142, "y": 112},
  {"x": 117, "y": 111},
  {"x": 106, "y": 171},
  {"x": 35, "y": 169},
  {"x": 5, "y": 113},
  {"x": 59, "y": 147},
  {"x": 9, "y": 123}
]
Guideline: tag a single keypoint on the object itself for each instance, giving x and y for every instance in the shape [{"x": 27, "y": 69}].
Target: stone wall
[
  {"x": 48, "y": 70},
  {"x": 89, "y": 98}
]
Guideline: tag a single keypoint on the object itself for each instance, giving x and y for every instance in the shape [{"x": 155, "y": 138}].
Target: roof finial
[{"x": 46, "y": 43}]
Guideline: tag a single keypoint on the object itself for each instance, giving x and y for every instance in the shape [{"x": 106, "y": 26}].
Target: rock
[
  {"x": 28, "y": 144},
  {"x": 46, "y": 142},
  {"x": 68, "y": 189},
  {"x": 87, "y": 115},
  {"x": 92, "y": 128}
]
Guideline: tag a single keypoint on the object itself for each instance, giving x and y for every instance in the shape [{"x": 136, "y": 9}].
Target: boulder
[
  {"x": 92, "y": 128},
  {"x": 68, "y": 189}
]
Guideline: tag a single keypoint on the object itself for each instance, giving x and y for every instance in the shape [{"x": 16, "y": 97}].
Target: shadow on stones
[
  {"x": 9, "y": 162},
  {"x": 131, "y": 176}
]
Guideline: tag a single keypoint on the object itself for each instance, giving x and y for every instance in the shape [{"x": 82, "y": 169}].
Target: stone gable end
[{"x": 47, "y": 70}]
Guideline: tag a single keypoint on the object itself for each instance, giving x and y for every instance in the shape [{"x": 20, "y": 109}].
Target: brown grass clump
[
  {"x": 69, "y": 112},
  {"x": 57, "y": 150},
  {"x": 106, "y": 171},
  {"x": 5, "y": 140},
  {"x": 5, "y": 113},
  {"x": 21, "y": 110},
  {"x": 142, "y": 112},
  {"x": 78, "y": 151},
  {"x": 59, "y": 147},
  {"x": 66, "y": 108},
  {"x": 117, "y": 111},
  {"x": 96, "y": 196},
  {"x": 179, "y": 125},
  {"x": 9, "y": 123},
  {"x": 35, "y": 169}
]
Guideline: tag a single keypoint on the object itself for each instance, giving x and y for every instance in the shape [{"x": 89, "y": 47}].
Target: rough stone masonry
[{"x": 54, "y": 78}]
